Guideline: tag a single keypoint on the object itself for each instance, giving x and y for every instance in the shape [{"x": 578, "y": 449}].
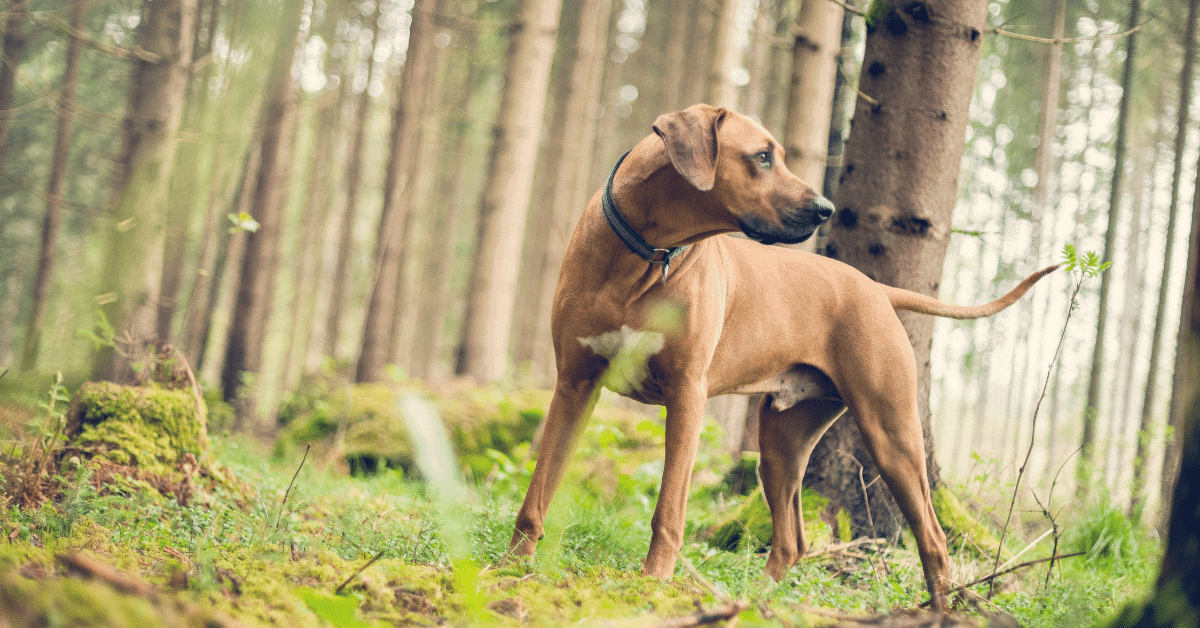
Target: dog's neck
[{"x": 659, "y": 204}]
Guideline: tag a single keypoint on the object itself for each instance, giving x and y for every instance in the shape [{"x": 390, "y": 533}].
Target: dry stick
[
  {"x": 1053, "y": 522},
  {"x": 992, "y": 576},
  {"x": 338, "y": 591},
  {"x": 283, "y": 504},
  {"x": 838, "y": 547},
  {"x": 1033, "y": 429}
]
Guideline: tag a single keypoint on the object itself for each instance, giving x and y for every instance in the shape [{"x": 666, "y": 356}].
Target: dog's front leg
[
  {"x": 570, "y": 408},
  {"x": 685, "y": 415}
]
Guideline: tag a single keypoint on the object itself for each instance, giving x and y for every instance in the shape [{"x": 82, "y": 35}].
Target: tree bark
[
  {"x": 895, "y": 203},
  {"x": 507, "y": 191},
  {"x": 133, "y": 267},
  {"x": 1083, "y": 470},
  {"x": 1149, "y": 399},
  {"x": 378, "y": 335},
  {"x": 54, "y": 191},
  {"x": 245, "y": 345}
]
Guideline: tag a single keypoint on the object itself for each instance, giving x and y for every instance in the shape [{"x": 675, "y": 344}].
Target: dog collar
[{"x": 635, "y": 242}]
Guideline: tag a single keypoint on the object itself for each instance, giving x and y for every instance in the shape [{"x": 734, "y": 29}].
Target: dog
[{"x": 813, "y": 334}]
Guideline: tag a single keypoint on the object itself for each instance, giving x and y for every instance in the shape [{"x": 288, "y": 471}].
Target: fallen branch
[
  {"x": 993, "y": 576},
  {"x": 721, "y": 613},
  {"x": 838, "y": 547},
  {"x": 338, "y": 591}
]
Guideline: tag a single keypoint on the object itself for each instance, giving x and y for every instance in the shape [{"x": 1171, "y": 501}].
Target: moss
[
  {"x": 145, "y": 427},
  {"x": 956, "y": 520},
  {"x": 845, "y": 529},
  {"x": 752, "y": 520}
]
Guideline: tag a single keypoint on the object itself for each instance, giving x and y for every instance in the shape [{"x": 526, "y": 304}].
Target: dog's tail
[{"x": 915, "y": 302}]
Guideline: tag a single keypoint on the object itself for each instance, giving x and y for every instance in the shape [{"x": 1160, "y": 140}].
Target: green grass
[{"x": 249, "y": 555}]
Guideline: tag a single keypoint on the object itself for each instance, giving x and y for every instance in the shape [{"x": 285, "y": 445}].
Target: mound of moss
[{"x": 750, "y": 523}]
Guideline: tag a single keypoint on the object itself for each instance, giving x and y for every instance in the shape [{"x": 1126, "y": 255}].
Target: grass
[{"x": 223, "y": 555}]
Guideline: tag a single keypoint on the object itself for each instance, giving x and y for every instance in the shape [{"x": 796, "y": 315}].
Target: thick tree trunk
[
  {"x": 14, "y": 49},
  {"x": 492, "y": 292},
  {"x": 245, "y": 345},
  {"x": 133, "y": 265},
  {"x": 54, "y": 191},
  {"x": 345, "y": 233},
  {"x": 378, "y": 335},
  {"x": 1137, "y": 487},
  {"x": 895, "y": 204},
  {"x": 1087, "y": 443}
]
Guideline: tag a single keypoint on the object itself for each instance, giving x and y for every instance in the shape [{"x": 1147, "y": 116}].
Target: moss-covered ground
[{"x": 381, "y": 549}]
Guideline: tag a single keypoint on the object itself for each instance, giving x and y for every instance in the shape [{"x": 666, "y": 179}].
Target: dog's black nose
[{"x": 822, "y": 208}]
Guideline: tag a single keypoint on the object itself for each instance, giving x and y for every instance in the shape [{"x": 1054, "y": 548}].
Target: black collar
[{"x": 635, "y": 242}]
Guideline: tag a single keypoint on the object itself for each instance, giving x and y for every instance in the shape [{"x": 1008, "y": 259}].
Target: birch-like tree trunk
[
  {"x": 895, "y": 203},
  {"x": 815, "y": 54},
  {"x": 509, "y": 182},
  {"x": 54, "y": 191},
  {"x": 14, "y": 49}
]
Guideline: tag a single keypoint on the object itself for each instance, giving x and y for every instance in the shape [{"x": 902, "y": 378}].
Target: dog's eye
[{"x": 763, "y": 159}]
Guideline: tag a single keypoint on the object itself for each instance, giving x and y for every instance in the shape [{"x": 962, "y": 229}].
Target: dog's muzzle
[{"x": 798, "y": 224}]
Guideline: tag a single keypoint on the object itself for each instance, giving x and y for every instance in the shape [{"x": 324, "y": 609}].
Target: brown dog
[{"x": 815, "y": 334}]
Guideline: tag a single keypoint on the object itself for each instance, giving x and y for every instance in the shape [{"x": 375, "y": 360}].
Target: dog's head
[{"x": 742, "y": 168}]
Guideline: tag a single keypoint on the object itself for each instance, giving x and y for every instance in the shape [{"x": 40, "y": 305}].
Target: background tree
[{"x": 894, "y": 204}]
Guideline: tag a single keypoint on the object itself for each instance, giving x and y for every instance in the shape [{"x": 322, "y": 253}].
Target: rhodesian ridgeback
[{"x": 814, "y": 334}]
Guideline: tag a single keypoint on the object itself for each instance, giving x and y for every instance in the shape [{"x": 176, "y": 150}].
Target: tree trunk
[
  {"x": 133, "y": 266},
  {"x": 54, "y": 190},
  {"x": 1176, "y": 599},
  {"x": 815, "y": 56},
  {"x": 725, "y": 58},
  {"x": 1084, "y": 468},
  {"x": 507, "y": 190},
  {"x": 838, "y": 121},
  {"x": 676, "y": 49},
  {"x": 1137, "y": 487},
  {"x": 569, "y": 192},
  {"x": 895, "y": 204},
  {"x": 245, "y": 345},
  {"x": 14, "y": 49},
  {"x": 378, "y": 335},
  {"x": 1185, "y": 390},
  {"x": 345, "y": 233}
]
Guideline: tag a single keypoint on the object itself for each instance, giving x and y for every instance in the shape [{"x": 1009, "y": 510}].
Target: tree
[
  {"x": 1087, "y": 440},
  {"x": 14, "y": 49},
  {"x": 260, "y": 260},
  {"x": 133, "y": 266},
  {"x": 54, "y": 190},
  {"x": 492, "y": 293},
  {"x": 1176, "y": 598},
  {"x": 1137, "y": 487},
  {"x": 379, "y": 332},
  {"x": 895, "y": 200},
  {"x": 722, "y": 91},
  {"x": 815, "y": 55}
]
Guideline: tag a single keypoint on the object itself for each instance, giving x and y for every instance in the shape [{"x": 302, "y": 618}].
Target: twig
[
  {"x": 1027, "y": 548},
  {"x": 1063, "y": 40},
  {"x": 992, "y": 576},
  {"x": 137, "y": 52},
  {"x": 283, "y": 504},
  {"x": 338, "y": 591},
  {"x": 838, "y": 547},
  {"x": 1033, "y": 428},
  {"x": 704, "y": 582}
]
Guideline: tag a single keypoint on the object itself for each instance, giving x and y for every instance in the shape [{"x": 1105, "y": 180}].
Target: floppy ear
[{"x": 691, "y": 140}]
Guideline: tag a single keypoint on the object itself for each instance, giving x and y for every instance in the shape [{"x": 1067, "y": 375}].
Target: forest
[{"x": 276, "y": 282}]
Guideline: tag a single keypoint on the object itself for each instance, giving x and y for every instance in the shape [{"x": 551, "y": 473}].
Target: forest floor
[{"x": 275, "y": 534}]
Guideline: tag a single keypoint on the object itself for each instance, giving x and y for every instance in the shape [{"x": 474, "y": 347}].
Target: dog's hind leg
[{"x": 786, "y": 439}]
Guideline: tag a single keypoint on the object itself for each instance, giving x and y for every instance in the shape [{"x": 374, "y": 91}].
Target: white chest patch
[{"x": 628, "y": 352}]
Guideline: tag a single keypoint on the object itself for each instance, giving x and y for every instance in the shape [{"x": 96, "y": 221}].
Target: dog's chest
[{"x": 628, "y": 352}]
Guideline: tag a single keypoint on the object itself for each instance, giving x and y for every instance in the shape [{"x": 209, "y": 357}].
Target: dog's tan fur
[{"x": 814, "y": 332}]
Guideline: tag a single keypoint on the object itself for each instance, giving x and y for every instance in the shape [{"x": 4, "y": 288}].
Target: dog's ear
[{"x": 691, "y": 140}]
